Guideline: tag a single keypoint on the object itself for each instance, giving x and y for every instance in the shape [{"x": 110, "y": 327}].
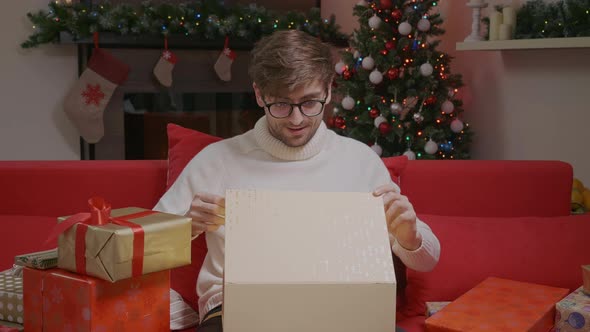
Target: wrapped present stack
[
  {"x": 500, "y": 305},
  {"x": 573, "y": 312},
  {"x": 11, "y": 298},
  {"x": 112, "y": 271}
]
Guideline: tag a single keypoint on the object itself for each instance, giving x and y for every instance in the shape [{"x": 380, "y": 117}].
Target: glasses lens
[
  {"x": 311, "y": 107},
  {"x": 280, "y": 110}
]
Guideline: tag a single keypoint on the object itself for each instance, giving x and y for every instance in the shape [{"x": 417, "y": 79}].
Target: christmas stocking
[
  {"x": 86, "y": 101},
  {"x": 223, "y": 64},
  {"x": 165, "y": 65}
]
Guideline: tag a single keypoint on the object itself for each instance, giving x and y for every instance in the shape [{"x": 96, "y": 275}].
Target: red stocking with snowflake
[{"x": 86, "y": 101}]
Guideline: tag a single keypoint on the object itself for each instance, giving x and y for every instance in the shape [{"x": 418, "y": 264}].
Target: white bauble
[
  {"x": 377, "y": 148},
  {"x": 376, "y": 77},
  {"x": 374, "y": 22},
  {"x": 347, "y": 103},
  {"x": 335, "y": 110},
  {"x": 426, "y": 69},
  {"x": 447, "y": 107},
  {"x": 379, "y": 120},
  {"x": 396, "y": 108},
  {"x": 339, "y": 67},
  {"x": 362, "y": 3},
  {"x": 456, "y": 126},
  {"x": 424, "y": 25},
  {"x": 404, "y": 28},
  {"x": 368, "y": 63},
  {"x": 431, "y": 147},
  {"x": 410, "y": 154}
]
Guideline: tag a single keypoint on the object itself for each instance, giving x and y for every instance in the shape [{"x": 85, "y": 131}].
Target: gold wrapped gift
[{"x": 132, "y": 241}]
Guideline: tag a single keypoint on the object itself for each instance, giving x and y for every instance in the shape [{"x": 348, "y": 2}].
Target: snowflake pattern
[
  {"x": 167, "y": 55},
  {"x": 92, "y": 94},
  {"x": 227, "y": 51}
]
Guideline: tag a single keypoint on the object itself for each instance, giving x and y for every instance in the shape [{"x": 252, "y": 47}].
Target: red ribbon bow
[{"x": 100, "y": 215}]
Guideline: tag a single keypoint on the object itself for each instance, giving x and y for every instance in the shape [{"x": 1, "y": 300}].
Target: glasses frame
[{"x": 323, "y": 102}]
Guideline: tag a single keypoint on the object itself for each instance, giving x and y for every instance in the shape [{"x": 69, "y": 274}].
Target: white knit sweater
[{"x": 257, "y": 160}]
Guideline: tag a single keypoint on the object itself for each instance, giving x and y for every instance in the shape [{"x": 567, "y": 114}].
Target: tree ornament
[
  {"x": 339, "y": 122},
  {"x": 335, "y": 110},
  {"x": 396, "y": 14},
  {"x": 379, "y": 120},
  {"x": 374, "y": 22},
  {"x": 376, "y": 77},
  {"x": 411, "y": 101},
  {"x": 430, "y": 100},
  {"x": 377, "y": 148},
  {"x": 395, "y": 108},
  {"x": 385, "y": 4},
  {"x": 384, "y": 128},
  {"x": 426, "y": 69},
  {"x": 346, "y": 74},
  {"x": 456, "y": 126},
  {"x": 430, "y": 147},
  {"x": 389, "y": 45},
  {"x": 384, "y": 52},
  {"x": 447, "y": 107},
  {"x": 404, "y": 28},
  {"x": 339, "y": 67},
  {"x": 424, "y": 25},
  {"x": 418, "y": 117},
  {"x": 356, "y": 54},
  {"x": 392, "y": 73},
  {"x": 410, "y": 154},
  {"x": 348, "y": 103},
  {"x": 374, "y": 112},
  {"x": 368, "y": 63}
]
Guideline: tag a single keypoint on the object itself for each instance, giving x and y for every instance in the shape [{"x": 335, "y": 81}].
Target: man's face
[{"x": 297, "y": 128}]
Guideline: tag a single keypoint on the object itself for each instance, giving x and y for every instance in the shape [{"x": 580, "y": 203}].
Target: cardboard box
[
  {"x": 110, "y": 249},
  {"x": 11, "y": 298},
  {"x": 573, "y": 313},
  {"x": 500, "y": 305},
  {"x": 307, "y": 261},
  {"x": 56, "y": 300}
]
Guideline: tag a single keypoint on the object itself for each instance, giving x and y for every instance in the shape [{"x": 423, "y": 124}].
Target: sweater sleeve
[{"x": 424, "y": 258}]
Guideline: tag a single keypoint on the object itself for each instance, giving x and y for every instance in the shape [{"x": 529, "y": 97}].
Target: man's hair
[{"x": 289, "y": 59}]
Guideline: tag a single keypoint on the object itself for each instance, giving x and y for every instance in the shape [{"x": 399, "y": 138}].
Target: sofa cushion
[
  {"x": 183, "y": 145},
  {"x": 546, "y": 251},
  {"x": 24, "y": 234},
  {"x": 396, "y": 166}
]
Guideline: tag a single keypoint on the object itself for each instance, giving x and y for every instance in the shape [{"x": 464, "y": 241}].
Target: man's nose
[{"x": 296, "y": 116}]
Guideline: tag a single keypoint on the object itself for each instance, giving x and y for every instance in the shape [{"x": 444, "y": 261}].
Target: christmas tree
[{"x": 398, "y": 94}]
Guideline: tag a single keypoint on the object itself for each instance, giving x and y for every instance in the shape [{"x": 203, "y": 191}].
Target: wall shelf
[{"x": 525, "y": 44}]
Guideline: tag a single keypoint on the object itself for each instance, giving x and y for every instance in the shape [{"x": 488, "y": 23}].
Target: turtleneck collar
[{"x": 279, "y": 150}]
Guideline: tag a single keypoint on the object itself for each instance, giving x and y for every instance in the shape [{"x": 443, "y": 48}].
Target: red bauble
[
  {"x": 392, "y": 73},
  {"x": 339, "y": 122},
  {"x": 373, "y": 113},
  {"x": 384, "y": 52},
  {"x": 384, "y": 128},
  {"x": 430, "y": 100},
  {"x": 397, "y": 14},
  {"x": 346, "y": 74},
  {"x": 389, "y": 45},
  {"x": 385, "y": 4}
]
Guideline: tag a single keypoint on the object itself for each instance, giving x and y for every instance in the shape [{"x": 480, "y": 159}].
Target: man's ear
[
  {"x": 329, "y": 97},
  {"x": 258, "y": 94}
]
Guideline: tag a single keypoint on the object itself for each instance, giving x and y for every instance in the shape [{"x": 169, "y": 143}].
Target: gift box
[
  {"x": 500, "y": 305},
  {"x": 10, "y": 327},
  {"x": 586, "y": 278},
  {"x": 11, "y": 298},
  {"x": 573, "y": 313},
  {"x": 58, "y": 300},
  {"x": 41, "y": 260},
  {"x": 434, "y": 307},
  {"x": 325, "y": 257},
  {"x": 118, "y": 244}
]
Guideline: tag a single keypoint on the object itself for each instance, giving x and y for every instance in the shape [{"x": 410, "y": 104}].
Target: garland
[
  {"x": 201, "y": 20},
  {"x": 564, "y": 18}
]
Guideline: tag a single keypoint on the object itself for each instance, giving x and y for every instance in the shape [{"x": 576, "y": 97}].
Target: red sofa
[{"x": 493, "y": 218}]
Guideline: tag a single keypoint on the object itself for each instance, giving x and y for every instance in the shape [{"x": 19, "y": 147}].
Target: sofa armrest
[
  {"x": 488, "y": 188},
  {"x": 56, "y": 188}
]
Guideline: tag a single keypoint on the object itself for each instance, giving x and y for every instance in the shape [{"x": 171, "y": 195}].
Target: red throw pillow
[
  {"x": 183, "y": 145},
  {"x": 542, "y": 250},
  {"x": 395, "y": 166}
]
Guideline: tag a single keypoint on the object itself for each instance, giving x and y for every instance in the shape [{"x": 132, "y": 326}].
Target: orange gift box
[
  {"x": 500, "y": 305},
  {"x": 57, "y": 300}
]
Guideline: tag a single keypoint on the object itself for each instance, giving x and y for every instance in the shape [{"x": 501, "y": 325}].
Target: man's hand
[
  {"x": 400, "y": 216},
  {"x": 207, "y": 212}
]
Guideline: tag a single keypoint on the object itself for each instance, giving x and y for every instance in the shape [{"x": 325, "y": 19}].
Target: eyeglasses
[{"x": 309, "y": 108}]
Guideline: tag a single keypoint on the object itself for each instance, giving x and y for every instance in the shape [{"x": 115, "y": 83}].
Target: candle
[
  {"x": 509, "y": 17},
  {"x": 505, "y": 31},
  {"x": 495, "y": 21}
]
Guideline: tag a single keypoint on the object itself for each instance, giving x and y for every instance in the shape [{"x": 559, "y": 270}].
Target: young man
[{"x": 290, "y": 148}]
